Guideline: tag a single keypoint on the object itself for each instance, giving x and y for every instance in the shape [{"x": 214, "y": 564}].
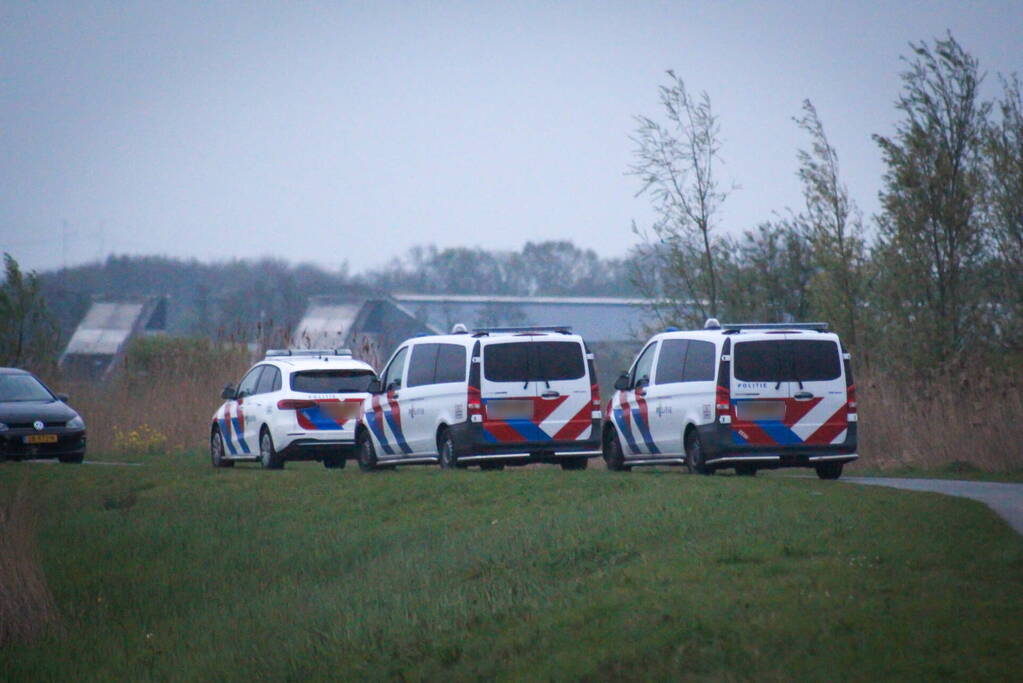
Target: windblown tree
[
  {"x": 28, "y": 336},
  {"x": 834, "y": 229},
  {"x": 932, "y": 237},
  {"x": 1004, "y": 152},
  {"x": 676, "y": 162}
]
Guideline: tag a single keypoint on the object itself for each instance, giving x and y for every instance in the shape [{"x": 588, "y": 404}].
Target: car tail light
[{"x": 295, "y": 404}]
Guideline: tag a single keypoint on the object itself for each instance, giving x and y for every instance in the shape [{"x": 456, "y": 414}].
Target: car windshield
[
  {"x": 532, "y": 361},
  {"x": 797, "y": 360},
  {"x": 22, "y": 388},
  {"x": 332, "y": 381}
]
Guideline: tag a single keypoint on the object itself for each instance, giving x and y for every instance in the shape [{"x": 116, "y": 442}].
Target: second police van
[
  {"x": 495, "y": 397},
  {"x": 746, "y": 397}
]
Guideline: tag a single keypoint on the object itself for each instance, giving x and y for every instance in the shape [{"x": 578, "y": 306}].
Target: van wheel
[
  {"x": 366, "y": 453},
  {"x": 613, "y": 456},
  {"x": 268, "y": 456},
  {"x": 574, "y": 463},
  {"x": 695, "y": 459},
  {"x": 746, "y": 470},
  {"x": 448, "y": 460},
  {"x": 217, "y": 451},
  {"x": 829, "y": 470}
]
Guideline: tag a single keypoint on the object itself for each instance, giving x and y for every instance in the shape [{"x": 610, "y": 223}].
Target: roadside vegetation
[{"x": 177, "y": 570}]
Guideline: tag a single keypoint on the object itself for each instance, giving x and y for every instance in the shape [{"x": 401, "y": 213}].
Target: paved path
[{"x": 1005, "y": 499}]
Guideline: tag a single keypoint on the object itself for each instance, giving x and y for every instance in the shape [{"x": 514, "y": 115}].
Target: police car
[
  {"x": 748, "y": 397},
  {"x": 293, "y": 405},
  {"x": 493, "y": 397}
]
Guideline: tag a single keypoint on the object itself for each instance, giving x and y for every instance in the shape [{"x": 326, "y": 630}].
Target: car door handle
[
  {"x": 802, "y": 395},
  {"x": 550, "y": 394}
]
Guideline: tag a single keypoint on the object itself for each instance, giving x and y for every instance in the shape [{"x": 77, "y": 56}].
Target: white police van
[
  {"x": 494, "y": 397},
  {"x": 294, "y": 405},
  {"x": 748, "y": 397}
]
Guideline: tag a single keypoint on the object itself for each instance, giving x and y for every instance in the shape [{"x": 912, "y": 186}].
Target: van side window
[
  {"x": 699, "y": 362},
  {"x": 422, "y": 364},
  {"x": 642, "y": 370},
  {"x": 450, "y": 363},
  {"x": 672, "y": 360},
  {"x": 395, "y": 369}
]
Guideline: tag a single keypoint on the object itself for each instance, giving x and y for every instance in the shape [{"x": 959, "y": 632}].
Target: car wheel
[
  {"x": 575, "y": 463},
  {"x": 448, "y": 460},
  {"x": 74, "y": 458},
  {"x": 695, "y": 459},
  {"x": 268, "y": 456},
  {"x": 613, "y": 456},
  {"x": 746, "y": 470},
  {"x": 366, "y": 453},
  {"x": 217, "y": 451},
  {"x": 829, "y": 470}
]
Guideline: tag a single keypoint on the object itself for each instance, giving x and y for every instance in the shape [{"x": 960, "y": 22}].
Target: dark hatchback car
[{"x": 35, "y": 422}]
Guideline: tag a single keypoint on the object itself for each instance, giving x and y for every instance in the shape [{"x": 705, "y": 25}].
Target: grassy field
[{"x": 174, "y": 570}]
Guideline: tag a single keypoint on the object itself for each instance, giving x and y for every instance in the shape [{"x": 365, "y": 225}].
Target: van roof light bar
[
  {"x": 307, "y": 353},
  {"x": 560, "y": 329},
  {"x": 735, "y": 327}
]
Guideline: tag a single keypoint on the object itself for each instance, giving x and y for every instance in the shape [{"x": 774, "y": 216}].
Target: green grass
[{"x": 177, "y": 571}]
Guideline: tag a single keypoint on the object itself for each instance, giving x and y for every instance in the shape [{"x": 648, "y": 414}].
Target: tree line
[{"x": 934, "y": 280}]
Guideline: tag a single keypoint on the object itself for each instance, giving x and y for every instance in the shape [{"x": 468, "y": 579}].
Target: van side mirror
[
  {"x": 229, "y": 393},
  {"x": 622, "y": 383},
  {"x": 376, "y": 386}
]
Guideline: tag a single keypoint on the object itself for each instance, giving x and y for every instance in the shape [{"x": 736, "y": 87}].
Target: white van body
[
  {"x": 490, "y": 398},
  {"x": 736, "y": 396}
]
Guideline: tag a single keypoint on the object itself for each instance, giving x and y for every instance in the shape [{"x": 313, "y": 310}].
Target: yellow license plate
[{"x": 41, "y": 438}]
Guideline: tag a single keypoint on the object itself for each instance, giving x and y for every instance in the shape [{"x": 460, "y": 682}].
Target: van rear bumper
[
  {"x": 720, "y": 448},
  {"x": 470, "y": 446}
]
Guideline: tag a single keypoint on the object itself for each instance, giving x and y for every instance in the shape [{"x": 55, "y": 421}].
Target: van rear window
[
  {"x": 331, "y": 381},
  {"x": 533, "y": 361},
  {"x": 793, "y": 360}
]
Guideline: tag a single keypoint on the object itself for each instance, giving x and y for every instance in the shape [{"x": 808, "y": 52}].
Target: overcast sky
[{"x": 348, "y": 132}]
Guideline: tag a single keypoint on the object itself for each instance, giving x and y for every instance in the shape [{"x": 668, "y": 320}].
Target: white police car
[
  {"x": 493, "y": 397},
  {"x": 293, "y": 405},
  {"x": 746, "y": 397}
]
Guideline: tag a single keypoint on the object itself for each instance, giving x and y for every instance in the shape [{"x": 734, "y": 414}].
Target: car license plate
[
  {"x": 752, "y": 411},
  {"x": 510, "y": 409},
  {"x": 41, "y": 438}
]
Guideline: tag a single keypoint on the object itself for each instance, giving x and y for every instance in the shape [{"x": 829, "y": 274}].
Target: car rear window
[
  {"x": 793, "y": 360},
  {"x": 331, "y": 381},
  {"x": 533, "y": 361}
]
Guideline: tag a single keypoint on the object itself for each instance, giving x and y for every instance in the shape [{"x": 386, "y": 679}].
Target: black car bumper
[
  {"x": 13, "y": 445},
  {"x": 720, "y": 450},
  {"x": 471, "y": 446},
  {"x": 315, "y": 449}
]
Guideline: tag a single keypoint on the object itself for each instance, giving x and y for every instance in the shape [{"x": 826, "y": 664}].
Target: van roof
[
  {"x": 719, "y": 335},
  {"x": 467, "y": 339}
]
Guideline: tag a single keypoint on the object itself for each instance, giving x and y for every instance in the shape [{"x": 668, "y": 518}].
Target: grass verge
[{"x": 176, "y": 570}]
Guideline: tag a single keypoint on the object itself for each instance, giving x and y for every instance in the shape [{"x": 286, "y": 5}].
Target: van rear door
[
  {"x": 760, "y": 391},
  {"x": 508, "y": 394},
  {"x": 564, "y": 410},
  {"x": 817, "y": 412}
]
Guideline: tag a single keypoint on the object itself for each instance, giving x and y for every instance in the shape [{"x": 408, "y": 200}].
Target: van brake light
[{"x": 851, "y": 404}]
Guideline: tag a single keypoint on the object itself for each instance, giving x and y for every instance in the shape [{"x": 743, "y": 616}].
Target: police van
[
  {"x": 492, "y": 397},
  {"x": 748, "y": 397}
]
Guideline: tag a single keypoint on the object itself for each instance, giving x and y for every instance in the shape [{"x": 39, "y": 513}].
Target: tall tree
[
  {"x": 676, "y": 164},
  {"x": 1004, "y": 153},
  {"x": 932, "y": 236},
  {"x": 28, "y": 336},
  {"x": 834, "y": 228}
]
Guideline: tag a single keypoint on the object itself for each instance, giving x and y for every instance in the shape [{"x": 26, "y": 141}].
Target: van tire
[
  {"x": 829, "y": 470},
  {"x": 268, "y": 456},
  {"x": 574, "y": 463},
  {"x": 366, "y": 454},
  {"x": 446, "y": 452},
  {"x": 695, "y": 459},
  {"x": 613, "y": 456}
]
